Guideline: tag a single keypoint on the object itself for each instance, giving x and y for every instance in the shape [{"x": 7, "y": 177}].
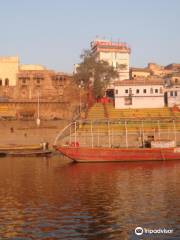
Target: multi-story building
[
  {"x": 115, "y": 53},
  {"x": 139, "y": 93},
  {"x": 10, "y": 67},
  {"x": 22, "y": 85},
  {"x": 26, "y": 81},
  {"x": 47, "y": 84}
]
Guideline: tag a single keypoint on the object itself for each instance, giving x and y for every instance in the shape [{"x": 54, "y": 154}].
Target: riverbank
[{"x": 27, "y": 132}]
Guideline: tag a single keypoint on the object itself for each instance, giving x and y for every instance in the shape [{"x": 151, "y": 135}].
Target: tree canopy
[{"x": 96, "y": 74}]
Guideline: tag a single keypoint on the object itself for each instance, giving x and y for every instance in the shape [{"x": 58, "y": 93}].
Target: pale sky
[{"x": 54, "y": 33}]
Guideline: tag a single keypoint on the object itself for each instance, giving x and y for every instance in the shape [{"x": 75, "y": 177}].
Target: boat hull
[
  {"x": 85, "y": 154},
  {"x": 35, "y": 153}
]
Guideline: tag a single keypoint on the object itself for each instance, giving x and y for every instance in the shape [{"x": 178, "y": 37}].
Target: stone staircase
[
  {"x": 6, "y": 111},
  {"x": 143, "y": 113},
  {"x": 96, "y": 112}
]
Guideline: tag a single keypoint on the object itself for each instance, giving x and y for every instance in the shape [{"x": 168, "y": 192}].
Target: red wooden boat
[
  {"x": 151, "y": 149},
  {"x": 105, "y": 154}
]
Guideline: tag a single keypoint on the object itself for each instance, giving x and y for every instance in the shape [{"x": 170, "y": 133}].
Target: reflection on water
[{"x": 46, "y": 199}]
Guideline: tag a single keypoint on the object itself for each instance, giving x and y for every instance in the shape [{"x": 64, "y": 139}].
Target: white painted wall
[
  {"x": 172, "y": 98},
  {"x": 114, "y": 59},
  {"x": 140, "y": 102},
  {"x": 141, "y": 99}
]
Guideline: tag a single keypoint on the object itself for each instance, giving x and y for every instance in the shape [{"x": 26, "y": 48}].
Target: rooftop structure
[
  {"x": 115, "y": 53},
  {"x": 31, "y": 67},
  {"x": 139, "y": 72},
  {"x": 141, "y": 81},
  {"x": 9, "y": 67}
]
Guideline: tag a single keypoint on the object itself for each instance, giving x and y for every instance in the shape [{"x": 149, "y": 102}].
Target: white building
[
  {"x": 115, "y": 53},
  {"x": 172, "y": 96},
  {"x": 139, "y": 93}
]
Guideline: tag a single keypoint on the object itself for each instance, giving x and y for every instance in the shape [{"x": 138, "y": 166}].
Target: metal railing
[{"x": 118, "y": 133}]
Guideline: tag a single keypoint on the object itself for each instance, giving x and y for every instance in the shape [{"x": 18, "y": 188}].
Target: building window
[
  {"x": 144, "y": 90},
  {"x": 137, "y": 91},
  {"x": 24, "y": 81},
  {"x": 156, "y": 90},
  {"x": 6, "y": 82},
  {"x": 38, "y": 81},
  {"x": 175, "y": 93},
  {"x": 126, "y": 90},
  {"x": 116, "y": 92},
  {"x": 0, "y": 82},
  {"x": 151, "y": 90},
  {"x": 171, "y": 93},
  {"x": 128, "y": 101},
  {"x": 176, "y": 80}
]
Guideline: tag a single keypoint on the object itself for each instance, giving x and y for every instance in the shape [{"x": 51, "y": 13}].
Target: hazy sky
[{"x": 54, "y": 32}]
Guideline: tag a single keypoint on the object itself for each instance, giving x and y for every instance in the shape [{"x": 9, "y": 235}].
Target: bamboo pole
[
  {"x": 174, "y": 125},
  {"x": 159, "y": 130},
  {"x": 142, "y": 126},
  {"x": 109, "y": 139},
  {"x": 126, "y": 134},
  {"x": 112, "y": 137},
  {"x": 98, "y": 138},
  {"x": 141, "y": 137},
  {"x": 92, "y": 140},
  {"x": 70, "y": 134},
  {"x": 75, "y": 137}
]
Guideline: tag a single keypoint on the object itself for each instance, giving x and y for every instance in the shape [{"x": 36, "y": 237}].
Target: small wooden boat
[
  {"x": 3, "y": 154},
  {"x": 34, "y": 153},
  {"x": 15, "y": 147}
]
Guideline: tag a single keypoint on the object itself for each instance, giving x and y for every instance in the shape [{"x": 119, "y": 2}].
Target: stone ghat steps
[
  {"x": 154, "y": 119},
  {"x": 96, "y": 112},
  {"x": 7, "y": 112},
  {"x": 139, "y": 113},
  {"x": 130, "y": 127}
]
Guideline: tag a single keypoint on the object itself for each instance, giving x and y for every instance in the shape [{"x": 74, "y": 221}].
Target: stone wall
[{"x": 28, "y": 110}]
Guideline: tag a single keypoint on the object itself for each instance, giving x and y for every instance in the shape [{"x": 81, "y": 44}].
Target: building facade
[
  {"x": 139, "y": 72},
  {"x": 139, "y": 93},
  {"x": 46, "y": 84},
  {"x": 115, "y": 53},
  {"x": 9, "y": 67},
  {"x": 27, "y": 81},
  {"x": 172, "y": 96}
]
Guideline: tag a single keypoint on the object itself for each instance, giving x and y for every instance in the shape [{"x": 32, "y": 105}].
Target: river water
[{"x": 47, "y": 198}]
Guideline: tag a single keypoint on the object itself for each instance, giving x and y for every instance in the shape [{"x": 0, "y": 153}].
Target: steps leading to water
[
  {"x": 96, "y": 112},
  {"x": 5, "y": 111},
  {"x": 144, "y": 113},
  {"x": 100, "y": 111}
]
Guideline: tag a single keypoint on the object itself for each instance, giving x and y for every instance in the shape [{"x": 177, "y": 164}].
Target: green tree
[{"x": 96, "y": 74}]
